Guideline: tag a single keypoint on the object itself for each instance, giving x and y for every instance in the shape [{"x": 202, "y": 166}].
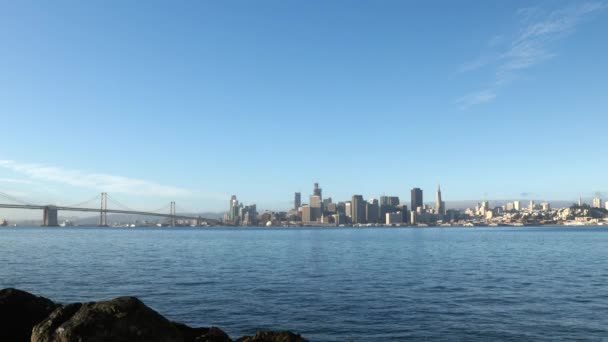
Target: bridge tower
[
  {"x": 103, "y": 214},
  {"x": 172, "y": 214},
  {"x": 50, "y": 216}
]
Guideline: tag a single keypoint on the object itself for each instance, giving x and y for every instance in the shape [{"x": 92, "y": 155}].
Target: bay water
[{"x": 339, "y": 284}]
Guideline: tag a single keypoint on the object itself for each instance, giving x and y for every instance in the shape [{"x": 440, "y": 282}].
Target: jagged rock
[
  {"x": 25, "y": 317},
  {"x": 122, "y": 319},
  {"x": 271, "y": 336},
  {"x": 19, "y": 312},
  {"x": 212, "y": 334}
]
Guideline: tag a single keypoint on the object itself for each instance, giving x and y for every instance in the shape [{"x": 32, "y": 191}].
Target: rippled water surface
[{"x": 333, "y": 284}]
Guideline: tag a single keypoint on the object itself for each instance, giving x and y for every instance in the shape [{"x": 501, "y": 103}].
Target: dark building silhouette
[
  {"x": 297, "y": 201},
  {"x": 358, "y": 209},
  {"x": 372, "y": 211},
  {"x": 317, "y": 190},
  {"x": 416, "y": 198}
]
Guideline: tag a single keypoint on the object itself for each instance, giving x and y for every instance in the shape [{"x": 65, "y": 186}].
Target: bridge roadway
[{"x": 53, "y": 208}]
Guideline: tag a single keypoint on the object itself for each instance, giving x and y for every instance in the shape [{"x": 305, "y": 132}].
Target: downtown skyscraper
[{"x": 416, "y": 199}]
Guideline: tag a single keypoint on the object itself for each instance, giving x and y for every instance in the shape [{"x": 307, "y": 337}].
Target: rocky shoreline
[{"x": 26, "y": 317}]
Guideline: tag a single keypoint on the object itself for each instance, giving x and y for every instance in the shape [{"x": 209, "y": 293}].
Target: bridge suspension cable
[
  {"x": 185, "y": 210},
  {"x": 163, "y": 209},
  {"x": 13, "y": 198},
  {"x": 91, "y": 200},
  {"x": 120, "y": 205}
]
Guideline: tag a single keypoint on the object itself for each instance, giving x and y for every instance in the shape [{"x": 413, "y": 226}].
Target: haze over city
[{"x": 261, "y": 100}]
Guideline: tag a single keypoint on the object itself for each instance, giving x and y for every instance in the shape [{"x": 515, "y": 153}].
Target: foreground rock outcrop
[
  {"x": 19, "y": 312},
  {"x": 271, "y": 336},
  {"x": 25, "y": 317}
]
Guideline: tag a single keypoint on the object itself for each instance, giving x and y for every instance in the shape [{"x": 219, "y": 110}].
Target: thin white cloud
[
  {"x": 100, "y": 182},
  {"x": 476, "y": 98},
  {"x": 529, "y": 46}
]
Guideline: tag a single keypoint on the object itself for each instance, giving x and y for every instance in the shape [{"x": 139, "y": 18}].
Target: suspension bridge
[{"x": 50, "y": 211}]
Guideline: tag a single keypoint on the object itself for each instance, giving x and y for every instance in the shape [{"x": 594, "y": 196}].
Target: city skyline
[
  {"x": 314, "y": 209},
  {"x": 406, "y": 195},
  {"x": 497, "y": 101},
  {"x": 391, "y": 211}
]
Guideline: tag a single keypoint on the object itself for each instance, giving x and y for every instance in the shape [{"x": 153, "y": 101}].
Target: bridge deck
[{"x": 99, "y": 210}]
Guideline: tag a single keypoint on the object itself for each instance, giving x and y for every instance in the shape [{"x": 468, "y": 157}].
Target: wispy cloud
[
  {"x": 97, "y": 181},
  {"x": 476, "y": 98},
  {"x": 531, "y": 45}
]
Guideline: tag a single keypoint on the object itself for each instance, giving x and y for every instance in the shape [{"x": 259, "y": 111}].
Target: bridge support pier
[{"x": 49, "y": 218}]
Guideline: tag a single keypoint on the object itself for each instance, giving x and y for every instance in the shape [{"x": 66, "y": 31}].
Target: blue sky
[{"x": 195, "y": 101}]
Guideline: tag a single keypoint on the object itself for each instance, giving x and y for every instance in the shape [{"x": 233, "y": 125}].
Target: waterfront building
[
  {"x": 233, "y": 211},
  {"x": 597, "y": 202},
  {"x": 248, "y": 215},
  {"x": 306, "y": 218},
  {"x": 330, "y": 208},
  {"x": 387, "y": 204},
  {"x": 358, "y": 209},
  {"x": 394, "y": 218},
  {"x": 413, "y": 217},
  {"x": 404, "y": 213},
  {"x": 315, "y": 205},
  {"x": 372, "y": 210},
  {"x": 348, "y": 209},
  {"x": 297, "y": 200},
  {"x": 416, "y": 198},
  {"x": 341, "y": 208},
  {"x": 516, "y": 205}
]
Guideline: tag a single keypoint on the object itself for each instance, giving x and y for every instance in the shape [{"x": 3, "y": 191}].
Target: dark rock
[
  {"x": 122, "y": 319},
  {"x": 271, "y": 336},
  {"x": 19, "y": 312},
  {"x": 212, "y": 334},
  {"x": 25, "y": 317}
]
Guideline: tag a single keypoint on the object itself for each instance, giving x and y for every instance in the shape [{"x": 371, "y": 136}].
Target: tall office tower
[
  {"x": 306, "y": 214},
  {"x": 358, "y": 208},
  {"x": 580, "y": 200},
  {"x": 317, "y": 191},
  {"x": 341, "y": 208},
  {"x": 545, "y": 206},
  {"x": 516, "y": 205},
  {"x": 597, "y": 202},
  {"x": 531, "y": 206},
  {"x": 315, "y": 207},
  {"x": 330, "y": 208},
  {"x": 233, "y": 211},
  {"x": 297, "y": 200},
  {"x": 390, "y": 201},
  {"x": 388, "y": 204},
  {"x": 371, "y": 211},
  {"x": 439, "y": 204},
  {"x": 416, "y": 198},
  {"x": 248, "y": 215},
  {"x": 348, "y": 209}
]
